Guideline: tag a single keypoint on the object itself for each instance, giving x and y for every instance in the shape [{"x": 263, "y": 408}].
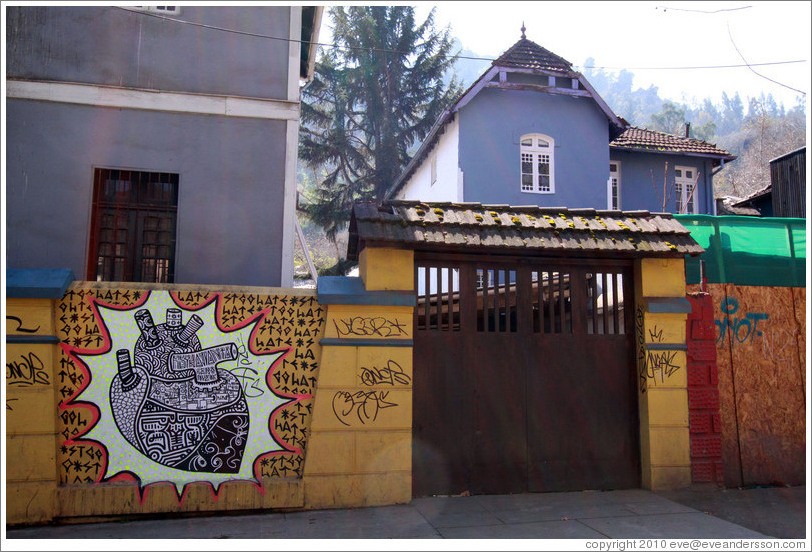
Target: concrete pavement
[{"x": 627, "y": 514}]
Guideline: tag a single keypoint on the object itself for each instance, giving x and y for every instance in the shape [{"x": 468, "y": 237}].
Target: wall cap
[
  {"x": 668, "y": 305},
  {"x": 38, "y": 283},
  {"x": 350, "y": 290}
]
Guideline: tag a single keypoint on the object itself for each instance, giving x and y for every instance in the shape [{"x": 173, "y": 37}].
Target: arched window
[{"x": 537, "y": 159}]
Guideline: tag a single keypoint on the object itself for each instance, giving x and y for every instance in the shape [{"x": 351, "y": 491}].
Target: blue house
[{"x": 533, "y": 131}]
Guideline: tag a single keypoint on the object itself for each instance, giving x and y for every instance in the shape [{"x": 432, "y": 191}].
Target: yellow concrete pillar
[
  {"x": 31, "y": 401},
  {"x": 386, "y": 269},
  {"x": 661, "y": 313},
  {"x": 359, "y": 450}
]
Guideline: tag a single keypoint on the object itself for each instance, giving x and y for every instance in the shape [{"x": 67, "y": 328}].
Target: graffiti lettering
[
  {"x": 27, "y": 371},
  {"x": 249, "y": 378},
  {"x": 743, "y": 328},
  {"x": 377, "y": 326},
  {"x": 661, "y": 363},
  {"x": 392, "y": 374},
  {"x": 8, "y": 403},
  {"x": 364, "y": 404},
  {"x": 639, "y": 323},
  {"x": 776, "y": 345},
  {"x": 19, "y": 327}
]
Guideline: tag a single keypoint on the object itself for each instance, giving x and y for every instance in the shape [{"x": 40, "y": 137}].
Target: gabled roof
[
  {"x": 522, "y": 230},
  {"x": 728, "y": 205},
  {"x": 643, "y": 139},
  {"x": 525, "y": 57},
  {"x": 529, "y": 55},
  {"x": 758, "y": 194}
]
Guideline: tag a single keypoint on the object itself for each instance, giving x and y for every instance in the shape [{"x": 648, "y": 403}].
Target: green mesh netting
[{"x": 748, "y": 251}]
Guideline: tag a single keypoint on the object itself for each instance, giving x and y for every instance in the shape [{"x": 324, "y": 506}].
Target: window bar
[
  {"x": 445, "y": 313},
  {"x": 536, "y": 297},
  {"x": 438, "y": 297},
  {"x": 561, "y": 303},
  {"x": 615, "y": 303},
  {"x": 501, "y": 303},
  {"x": 495, "y": 301},
  {"x": 616, "y": 297},
  {"x": 506, "y": 299},
  {"x": 605, "y": 302},
  {"x": 482, "y": 314},
  {"x": 456, "y": 304},
  {"x": 507, "y": 291},
  {"x": 427, "y": 295},
  {"x": 593, "y": 300},
  {"x": 550, "y": 300},
  {"x": 504, "y": 310},
  {"x": 487, "y": 299}
]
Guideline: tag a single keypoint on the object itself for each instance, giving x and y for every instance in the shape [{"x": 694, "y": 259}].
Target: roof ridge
[{"x": 534, "y": 55}]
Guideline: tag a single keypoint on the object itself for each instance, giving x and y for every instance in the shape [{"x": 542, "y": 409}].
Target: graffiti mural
[{"x": 185, "y": 387}]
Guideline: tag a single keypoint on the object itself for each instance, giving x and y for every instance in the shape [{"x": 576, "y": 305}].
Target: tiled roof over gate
[
  {"x": 636, "y": 138},
  {"x": 526, "y": 229}
]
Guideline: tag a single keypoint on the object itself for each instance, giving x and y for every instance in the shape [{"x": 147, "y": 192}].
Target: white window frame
[
  {"x": 685, "y": 178},
  {"x": 538, "y": 152},
  {"x": 613, "y": 187}
]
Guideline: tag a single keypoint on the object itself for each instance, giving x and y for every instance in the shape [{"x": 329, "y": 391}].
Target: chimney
[{"x": 687, "y": 130}]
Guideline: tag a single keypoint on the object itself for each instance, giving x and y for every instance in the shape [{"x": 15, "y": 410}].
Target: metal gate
[{"x": 523, "y": 376}]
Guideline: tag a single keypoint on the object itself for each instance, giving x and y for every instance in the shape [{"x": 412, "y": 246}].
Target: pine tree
[{"x": 374, "y": 97}]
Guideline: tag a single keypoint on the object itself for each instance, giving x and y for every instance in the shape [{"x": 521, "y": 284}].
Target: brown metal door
[{"x": 523, "y": 377}]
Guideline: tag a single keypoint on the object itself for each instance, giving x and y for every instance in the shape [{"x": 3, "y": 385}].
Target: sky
[{"x": 650, "y": 39}]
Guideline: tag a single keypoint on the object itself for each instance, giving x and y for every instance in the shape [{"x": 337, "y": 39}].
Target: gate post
[
  {"x": 31, "y": 392},
  {"x": 360, "y": 446},
  {"x": 660, "y": 319}
]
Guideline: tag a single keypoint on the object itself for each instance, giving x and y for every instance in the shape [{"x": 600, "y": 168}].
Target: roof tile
[
  {"x": 539, "y": 230},
  {"x": 637, "y": 138},
  {"x": 529, "y": 55}
]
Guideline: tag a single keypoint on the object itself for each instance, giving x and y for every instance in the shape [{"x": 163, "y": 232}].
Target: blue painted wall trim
[
  {"x": 346, "y": 290},
  {"x": 38, "y": 283},
  {"x": 668, "y": 305},
  {"x": 367, "y": 342},
  {"x": 666, "y": 347},
  {"x": 32, "y": 339}
]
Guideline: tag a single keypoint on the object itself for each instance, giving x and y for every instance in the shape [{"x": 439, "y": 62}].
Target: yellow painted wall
[
  {"x": 386, "y": 269},
  {"x": 662, "y": 376},
  {"x": 31, "y": 415},
  {"x": 348, "y": 428}
]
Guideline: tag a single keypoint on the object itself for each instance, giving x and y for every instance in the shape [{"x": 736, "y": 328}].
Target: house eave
[
  {"x": 639, "y": 149},
  {"x": 421, "y": 153}
]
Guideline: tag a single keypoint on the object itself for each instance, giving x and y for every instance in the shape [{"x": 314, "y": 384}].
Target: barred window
[{"x": 133, "y": 226}]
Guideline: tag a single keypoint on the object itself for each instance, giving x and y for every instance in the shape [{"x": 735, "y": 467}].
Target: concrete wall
[
  {"x": 491, "y": 126},
  {"x": 289, "y": 398},
  {"x": 115, "y": 47},
  {"x": 250, "y": 412},
  {"x": 219, "y": 159},
  {"x": 102, "y": 87},
  {"x": 638, "y": 192}
]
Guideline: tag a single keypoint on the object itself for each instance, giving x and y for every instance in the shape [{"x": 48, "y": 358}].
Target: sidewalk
[{"x": 629, "y": 514}]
